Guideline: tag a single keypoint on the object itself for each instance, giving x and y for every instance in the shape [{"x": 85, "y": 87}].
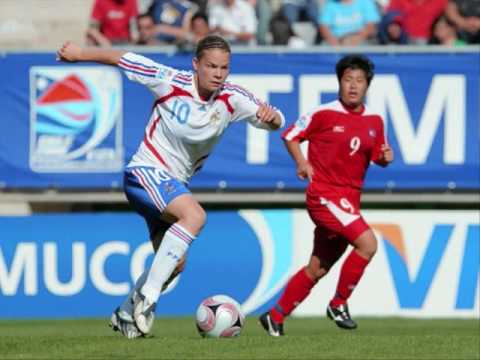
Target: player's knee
[
  {"x": 200, "y": 218},
  {"x": 367, "y": 246},
  {"x": 195, "y": 220},
  {"x": 315, "y": 273},
  {"x": 367, "y": 253}
]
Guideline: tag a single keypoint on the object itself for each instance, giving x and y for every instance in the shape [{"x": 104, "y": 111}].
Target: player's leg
[
  {"x": 328, "y": 248},
  {"x": 122, "y": 318},
  {"x": 153, "y": 193},
  {"x": 157, "y": 229},
  {"x": 157, "y": 240},
  {"x": 345, "y": 219},
  {"x": 365, "y": 246},
  {"x": 191, "y": 218}
]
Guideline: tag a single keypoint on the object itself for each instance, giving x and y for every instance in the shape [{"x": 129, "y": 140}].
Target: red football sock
[
  {"x": 295, "y": 292},
  {"x": 350, "y": 275}
]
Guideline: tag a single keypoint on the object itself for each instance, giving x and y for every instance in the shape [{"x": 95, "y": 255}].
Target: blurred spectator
[
  {"x": 172, "y": 19},
  {"x": 445, "y": 33},
  {"x": 201, "y": 5},
  {"x": 263, "y": 11},
  {"x": 146, "y": 30},
  {"x": 199, "y": 29},
  {"x": 348, "y": 22},
  {"x": 283, "y": 34},
  {"x": 235, "y": 20},
  {"x": 417, "y": 17},
  {"x": 303, "y": 11},
  {"x": 390, "y": 30},
  {"x": 112, "y": 22},
  {"x": 465, "y": 14}
]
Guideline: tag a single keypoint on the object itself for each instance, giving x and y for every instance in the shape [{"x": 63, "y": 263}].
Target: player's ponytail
[{"x": 211, "y": 42}]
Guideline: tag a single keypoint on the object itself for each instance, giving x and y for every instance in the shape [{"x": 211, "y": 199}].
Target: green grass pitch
[{"x": 307, "y": 338}]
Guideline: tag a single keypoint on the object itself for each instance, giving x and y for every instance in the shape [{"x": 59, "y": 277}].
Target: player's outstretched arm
[
  {"x": 70, "y": 52},
  {"x": 304, "y": 169}
]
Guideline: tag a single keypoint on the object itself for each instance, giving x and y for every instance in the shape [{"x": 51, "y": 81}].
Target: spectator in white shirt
[{"x": 234, "y": 20}]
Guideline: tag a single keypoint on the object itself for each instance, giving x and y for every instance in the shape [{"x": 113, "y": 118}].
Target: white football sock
[
  {"x": 174, "y": 245},
  {"x": 127, "y": 305}
]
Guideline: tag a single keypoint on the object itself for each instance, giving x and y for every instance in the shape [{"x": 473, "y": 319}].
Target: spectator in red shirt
[
  {"x": 417, "y": 17},
  {"x": 112, "y": 22}
]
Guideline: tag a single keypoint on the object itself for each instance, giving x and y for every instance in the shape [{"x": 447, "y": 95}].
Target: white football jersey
[{"x": 184, "y": 128}]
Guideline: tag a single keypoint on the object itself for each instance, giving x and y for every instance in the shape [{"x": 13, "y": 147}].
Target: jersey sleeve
[
  {"x": 299, "y": 130},
  {"x": 245, "y": 107},
  {"x": 147, "y": 72},
  {"x": 380, "y": 140}
]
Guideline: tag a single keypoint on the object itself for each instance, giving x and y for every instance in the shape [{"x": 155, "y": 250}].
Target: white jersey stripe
[
  {"x": 149, "y": 190},
  {"x": 292, "y": 133},
  {"x": 181, "y": 82},
  {"x": 140, "y": 73},
  {"x": 153, "y": 186},
  {"x": 242, "y": 91},
  {"x": 137, "y": 65},
  {"x": 184, "y": 77},
  {"x": 138, "y": 69}
]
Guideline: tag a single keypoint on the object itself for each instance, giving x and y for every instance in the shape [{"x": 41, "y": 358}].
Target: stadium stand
[{"x": 32, "y": 24}]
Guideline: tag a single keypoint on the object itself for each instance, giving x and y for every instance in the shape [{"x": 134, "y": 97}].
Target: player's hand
[
  {"x": 354, "y": 39},
  {"x": 386, "y": 154},
  {"x": 472, "y": 24},
  {"x": 266, "y": 113},
  {"x": 69, "y": 52},
  {"x": 305, "y": 171}
]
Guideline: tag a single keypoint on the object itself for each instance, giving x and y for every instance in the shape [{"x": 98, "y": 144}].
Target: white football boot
[
  {"x": 123, "y": 322},
  {"x": 143, "y": 312}
]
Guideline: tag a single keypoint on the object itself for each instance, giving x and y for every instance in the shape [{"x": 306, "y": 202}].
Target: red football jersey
[{"x": 341, "y": 145}]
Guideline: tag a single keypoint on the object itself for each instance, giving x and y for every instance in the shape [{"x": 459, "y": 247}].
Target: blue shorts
[{"x": 149, "y": 190}]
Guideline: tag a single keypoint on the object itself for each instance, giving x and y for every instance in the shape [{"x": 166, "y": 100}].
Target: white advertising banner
[{"x": 427, "y": 265}]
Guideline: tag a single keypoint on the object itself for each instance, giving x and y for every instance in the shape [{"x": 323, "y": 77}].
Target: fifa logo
[{"x": 75, "y": 119}]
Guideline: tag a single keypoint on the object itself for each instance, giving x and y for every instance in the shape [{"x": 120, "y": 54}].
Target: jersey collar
[{"x": 350, "y": 110}]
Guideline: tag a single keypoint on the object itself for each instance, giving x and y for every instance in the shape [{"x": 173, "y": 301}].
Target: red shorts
[{"x": 337, "y": 218}]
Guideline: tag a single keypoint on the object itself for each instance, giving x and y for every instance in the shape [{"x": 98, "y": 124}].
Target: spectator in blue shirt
[
  {"x": 172, "y": 19},
  {"x": 348, "y": 22}
]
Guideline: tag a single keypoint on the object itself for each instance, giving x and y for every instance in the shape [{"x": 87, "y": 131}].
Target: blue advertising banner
[
  {"x": 84, "y": 265},
  {"x": 55, "y": 265},
  {"x": 76, "y": 126}
]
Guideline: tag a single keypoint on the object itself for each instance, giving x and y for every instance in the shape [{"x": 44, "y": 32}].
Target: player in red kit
[{"x": 344, "y": 137}]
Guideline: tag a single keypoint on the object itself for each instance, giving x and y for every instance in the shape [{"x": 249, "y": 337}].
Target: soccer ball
[{"x": 219, "y": 316}]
